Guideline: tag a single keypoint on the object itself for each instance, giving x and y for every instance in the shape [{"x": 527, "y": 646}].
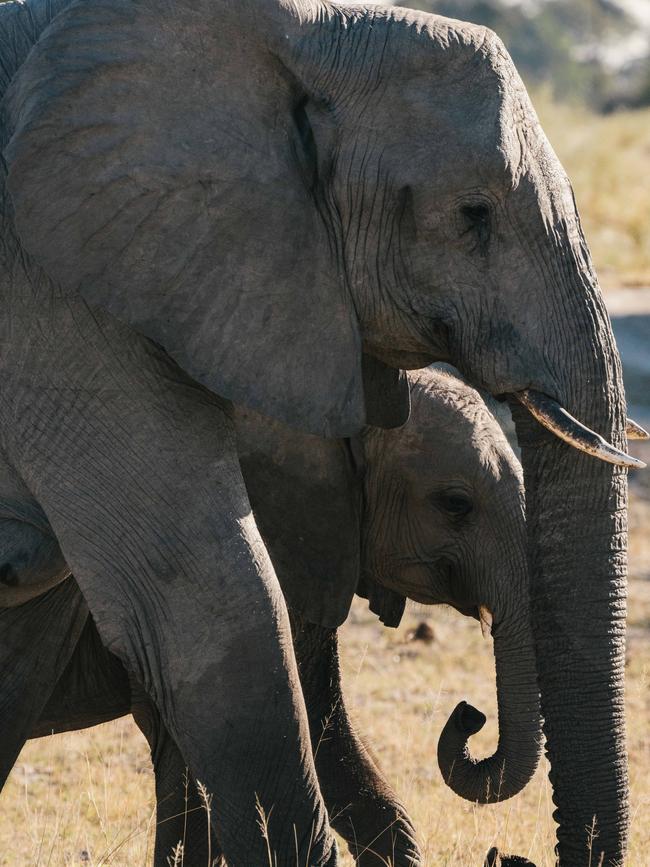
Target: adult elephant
[
  {"x": 439, "y": 506},
  {"x": 261, "y": 189}
]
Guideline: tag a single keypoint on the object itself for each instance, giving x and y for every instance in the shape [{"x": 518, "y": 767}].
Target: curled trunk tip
[
  {"x": 505, "y": 773},
  {"x": 486, "y": 781}
]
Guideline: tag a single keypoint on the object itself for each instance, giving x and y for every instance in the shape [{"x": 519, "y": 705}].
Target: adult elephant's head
[{"x": 264, "y": 186}]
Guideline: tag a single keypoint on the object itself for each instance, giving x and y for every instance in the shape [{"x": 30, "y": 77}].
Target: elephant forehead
[
  {"x": 444, "y": 402},
  {"x": 479, "y": 119},
  {"x": 451, "y": 432}
]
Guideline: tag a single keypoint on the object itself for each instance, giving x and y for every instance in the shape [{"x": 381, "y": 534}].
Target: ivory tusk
[
  {"x": 635, "y": 431},
  {"x": 555, "y": 418},
  {"x": 486, "y": 620}
]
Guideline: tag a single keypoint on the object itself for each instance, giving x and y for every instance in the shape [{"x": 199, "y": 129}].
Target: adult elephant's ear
[
  {"x": 387, "y": 393},
  {"x": 161, "y": 164},
  {"x": 305, "y": 492}
]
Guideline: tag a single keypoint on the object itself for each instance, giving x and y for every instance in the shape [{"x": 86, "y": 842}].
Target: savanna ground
[{"x": 87, "y": 797}]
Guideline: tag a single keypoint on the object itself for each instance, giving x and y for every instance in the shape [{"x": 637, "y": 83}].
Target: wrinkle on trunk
[{"x": 576, "y": 510}]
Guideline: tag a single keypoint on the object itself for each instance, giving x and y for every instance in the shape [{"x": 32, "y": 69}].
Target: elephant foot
[
  {"x": 395, "y": 845},
  {"x": 496, "y": 859}
]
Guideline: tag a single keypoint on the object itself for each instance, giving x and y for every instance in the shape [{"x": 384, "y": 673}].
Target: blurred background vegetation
[
  {"x": 595, "y": 52},
  {"x": 587, "y": 66}
]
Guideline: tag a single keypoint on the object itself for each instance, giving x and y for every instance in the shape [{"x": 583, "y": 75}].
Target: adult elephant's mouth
[{"x": 551, "y": 415}]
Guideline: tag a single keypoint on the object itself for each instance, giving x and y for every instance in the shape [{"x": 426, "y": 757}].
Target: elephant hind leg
[
  {"x": 182, "y": 815},
  {"x": 37, "y": 640},
  {"x": 95, "y": 688}
]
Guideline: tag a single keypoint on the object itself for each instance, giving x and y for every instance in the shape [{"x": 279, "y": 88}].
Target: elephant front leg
[
  {"x": 211, "y": 646},
  {"x": 136, "y": 469},
  {"x": 362, "y": 807},
  {"x": 220, "y": 673}
]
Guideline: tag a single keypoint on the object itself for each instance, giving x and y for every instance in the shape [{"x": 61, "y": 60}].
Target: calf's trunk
[{"x": 506, "y": 772}]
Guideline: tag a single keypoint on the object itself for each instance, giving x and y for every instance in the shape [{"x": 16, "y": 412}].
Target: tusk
[
  {"x": 635, "y": 431},
  {"x": 555, "y": 418},
  {"x": 485, "y": 618}
]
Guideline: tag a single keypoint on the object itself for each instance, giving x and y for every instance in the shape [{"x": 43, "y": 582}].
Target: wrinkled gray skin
[
  {"x": 439, "y": 505},
  {"x": 262, "y": 188}
]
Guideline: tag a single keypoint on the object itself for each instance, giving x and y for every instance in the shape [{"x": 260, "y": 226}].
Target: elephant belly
[{"x": 31, "y": 563}]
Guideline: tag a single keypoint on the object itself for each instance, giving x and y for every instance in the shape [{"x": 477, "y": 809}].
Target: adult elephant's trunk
[
  {"x": 507, "y": 771},
  {"x": 576, "y": 519},
  {"x": 578, "y": 613}
]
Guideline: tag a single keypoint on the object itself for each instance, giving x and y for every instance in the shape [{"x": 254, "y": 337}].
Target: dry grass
[
  {"x": 607, "y": 159},
  {"x": 87, "y": 798},
  {"x": 80, "y": 798}
]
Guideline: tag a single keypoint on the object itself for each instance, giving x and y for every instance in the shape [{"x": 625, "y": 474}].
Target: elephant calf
[{"x": 432, "y": 511}]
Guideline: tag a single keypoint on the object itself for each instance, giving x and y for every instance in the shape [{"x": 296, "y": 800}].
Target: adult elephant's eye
[
  {"x": 453, "y": 503},
  {"x": 475, "y": 220}
]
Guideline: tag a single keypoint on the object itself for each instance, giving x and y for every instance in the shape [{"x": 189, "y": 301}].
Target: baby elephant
[{"x": 432, "y": 511}]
